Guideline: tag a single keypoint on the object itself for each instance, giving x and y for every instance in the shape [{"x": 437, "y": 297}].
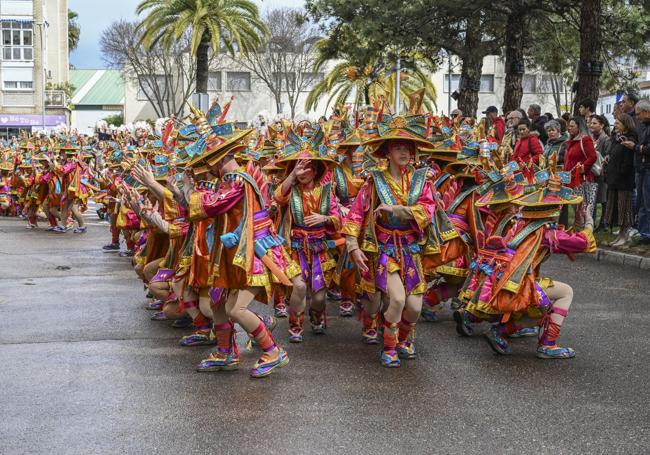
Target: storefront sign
[{"x": 31, "y": 120}]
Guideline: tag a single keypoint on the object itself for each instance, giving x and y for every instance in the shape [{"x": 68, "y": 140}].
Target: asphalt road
[{"x": 83, "y": 370}]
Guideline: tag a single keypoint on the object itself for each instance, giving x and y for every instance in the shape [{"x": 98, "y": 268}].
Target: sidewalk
[{"x": 633, "y": 255}]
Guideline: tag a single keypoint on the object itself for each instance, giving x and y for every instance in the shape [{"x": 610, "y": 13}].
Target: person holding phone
[{"x": 620, "y": 179}]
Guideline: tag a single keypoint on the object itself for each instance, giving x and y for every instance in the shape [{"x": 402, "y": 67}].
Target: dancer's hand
[
  {"x": 315, "y": 219},
  {"x": 360, "y": 260},
  {"x": 383, "y": 208},
  {"x": 187, "y": 180},
  {"x": 142, "y": 175}
]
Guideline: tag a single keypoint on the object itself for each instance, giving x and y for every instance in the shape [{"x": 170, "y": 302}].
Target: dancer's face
[
  {"x": 307, "y": 174},
  {"x": 399, "y": 153}
]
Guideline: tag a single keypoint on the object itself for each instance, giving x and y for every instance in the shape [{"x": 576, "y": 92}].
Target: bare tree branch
[
  {"x": 285, "y": 61},
  {"x": 162, "y": 75}
]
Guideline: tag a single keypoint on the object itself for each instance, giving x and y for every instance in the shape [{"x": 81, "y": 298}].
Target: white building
[
  {"x": 252, "y": 95},
  {"x": 34, "y": 52},
  {"x": 607, "y": 101},
  {"x": 228, "y": 79},
  {"x": 537, "y": 88}
]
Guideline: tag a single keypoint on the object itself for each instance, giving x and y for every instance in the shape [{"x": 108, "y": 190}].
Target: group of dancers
[{"x": 388, "y": 215}]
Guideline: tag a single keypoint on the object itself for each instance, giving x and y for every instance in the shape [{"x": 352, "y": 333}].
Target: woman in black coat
[{"x": 620, "y": 179}]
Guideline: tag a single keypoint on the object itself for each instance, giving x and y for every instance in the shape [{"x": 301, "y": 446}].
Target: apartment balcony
[{"x": 56, "y": 98}]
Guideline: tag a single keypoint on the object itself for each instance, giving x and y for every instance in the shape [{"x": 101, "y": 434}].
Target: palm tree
[
  {"x": 374, "y": 81},
  {"x": 232, "y": 25},
  {"x": 74, "y": 32}
]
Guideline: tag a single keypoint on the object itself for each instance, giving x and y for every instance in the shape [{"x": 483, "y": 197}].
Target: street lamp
[
  {"x": 397, "y": 81},
  {"x": 41, "y": 29}
]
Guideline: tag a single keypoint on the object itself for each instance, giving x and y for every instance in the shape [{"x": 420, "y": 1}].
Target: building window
[
  {"x": 487, "y": 83},
  {"x": 286, "y": 81},
  {"x": 18, "y": 85},
  {"x": 214, "y": 81},
  {"x": 151, "y": 87},
  {"x": 455, "y": 78},
  {"x": 239, "y": 81},
  {"x": 17, "y": 41},
  {"x": 311, "y": 79},
  {"x": 529, "y": 83}
]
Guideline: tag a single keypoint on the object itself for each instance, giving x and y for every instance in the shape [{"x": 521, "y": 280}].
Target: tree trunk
[
  {"x": 515, "y": 40},
  {"x": 589, "y": 66},
  {"x": 203, "y": 64},
  {"x": 557, "y": 81},
  {"x": 470, "y": 75},
  {"x": 278, "y": 101}
]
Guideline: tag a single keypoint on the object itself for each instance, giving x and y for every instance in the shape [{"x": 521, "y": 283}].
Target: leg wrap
[
  {"x": 225, "y": 334},
  {"x": 390, "y": 337},
  {"x": 368, "y": 320},
  {"x": 201, "y": 322},
  {"x": 263, "y": 338},
  {"x": 551, "y": 329},
  {"x": 296, "y": 320},
  {"x": 405, "y": 329}
]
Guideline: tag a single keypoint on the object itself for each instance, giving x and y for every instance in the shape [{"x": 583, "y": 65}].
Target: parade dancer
[
  {"x": 506, "y": 281},
  {"x": 347, "y": 184},
  {"x": 249, "y": 256},
  {"x": 76, "y": 175},
  {"x": 311, "y": 222},
  {"x": 385, "y": 228}
]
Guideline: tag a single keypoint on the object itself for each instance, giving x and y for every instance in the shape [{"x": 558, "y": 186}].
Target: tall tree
[
  {"x": 346, "y": 82},
  {"x": 624, "y": 27},
  {"x": 285, "y": 60},
  {"x": 74, "y": 31},
  {"x": 160, "y": 74},
  {"x": 590, "y": 65},
  {"x": 231, "y": 25}
]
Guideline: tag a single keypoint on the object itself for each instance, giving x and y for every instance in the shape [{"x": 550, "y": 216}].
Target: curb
[{"x": 615, "y": 257}]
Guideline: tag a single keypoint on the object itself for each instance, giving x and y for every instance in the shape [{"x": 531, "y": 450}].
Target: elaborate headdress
[{"x": 546, "y": 195}]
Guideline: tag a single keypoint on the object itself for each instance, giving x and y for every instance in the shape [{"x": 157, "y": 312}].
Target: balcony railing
[{"x": 55, "y": 98}]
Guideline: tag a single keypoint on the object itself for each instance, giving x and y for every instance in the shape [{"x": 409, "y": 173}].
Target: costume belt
[
  {"x": 308, "y": 243},
  {"x": 400, "y": 245}
]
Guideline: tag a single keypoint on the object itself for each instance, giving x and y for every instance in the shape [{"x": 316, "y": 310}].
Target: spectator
[
  {"x": 537, "y": 121},
  {"x": 555, "y": 140},
  {"x": 495, "y": 123},
  {"x": 620, "y": 178},
  {"x": 579, "y": 157},
  {"x": 642, "y": 167},
  {"x": 512, "y": 120},
  {"x": 528, "y": 148},
  {"x": 628, "y": 102},
  {"x": 586, "y": 108},
  {"x": 566, "y": 117},
  {"x": 599, "y": 127},
  {"x": 618, "y": 110},
  {"x": 548, "y": 115},
  {"x": 457, "y": 118}
]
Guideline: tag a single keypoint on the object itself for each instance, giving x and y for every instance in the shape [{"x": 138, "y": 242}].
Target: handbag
[{"x": 597, "y": 167}]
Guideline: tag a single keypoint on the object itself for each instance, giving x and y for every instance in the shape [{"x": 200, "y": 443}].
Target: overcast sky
[{"x": 97, "y": 15}]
